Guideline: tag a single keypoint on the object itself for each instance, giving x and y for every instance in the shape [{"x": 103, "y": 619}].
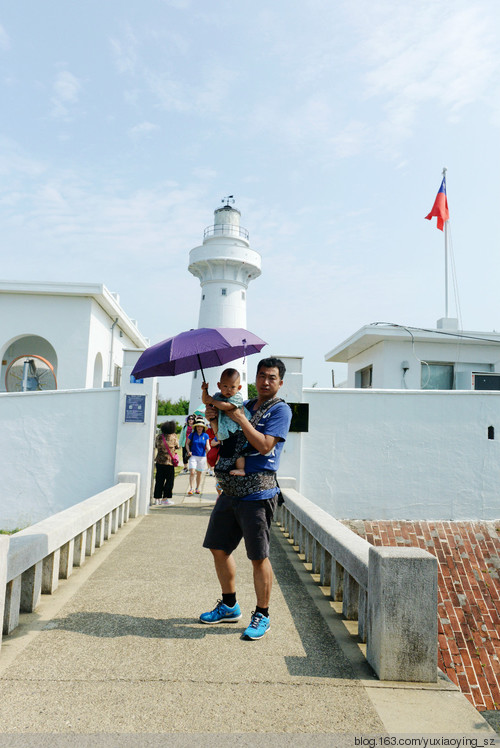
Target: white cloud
[
  {"x": 4, "y": 39},
  {"x": 15, "y": 164},
  {"x": 66, "y": 89},
  {"x": 351, "y": 140},
  {"x": 125, "y": 51},
  {"x": 440, "y": 53},
  {"x": 143, "y": 129}
]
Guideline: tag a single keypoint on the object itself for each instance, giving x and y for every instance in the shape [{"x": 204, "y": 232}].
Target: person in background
[
  {"x": 198, "y": 445},
  {"x": 186, "y": 431},
  {"x": 166, "y": 444},
  {"x": 213, "y": 452}
]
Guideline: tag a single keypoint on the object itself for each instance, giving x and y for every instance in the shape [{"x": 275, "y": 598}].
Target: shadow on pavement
[
  {"x": 323, "y": 656},
  {"x": 110, "y": 625}
]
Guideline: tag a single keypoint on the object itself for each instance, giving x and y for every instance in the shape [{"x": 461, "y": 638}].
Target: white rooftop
[
  {"x": 106, "y": 299},
  {"x": 370, "y": 335}
]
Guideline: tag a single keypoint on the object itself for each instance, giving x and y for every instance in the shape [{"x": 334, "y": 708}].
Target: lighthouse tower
[{"x": 225, "y": 265}]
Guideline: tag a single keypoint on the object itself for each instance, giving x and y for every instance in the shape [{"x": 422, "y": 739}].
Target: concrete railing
[
  {"x": 33, "y": 560},
  {"x": 392, "y": 592}
]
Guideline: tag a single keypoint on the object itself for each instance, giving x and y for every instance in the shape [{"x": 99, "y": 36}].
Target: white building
[
  {"x": 225, "y": 265},
  {"x": 79, "y": 329},
  {"x": 399, "y": 357}
]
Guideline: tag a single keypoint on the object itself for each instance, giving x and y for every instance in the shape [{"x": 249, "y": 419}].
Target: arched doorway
[
  {"x": 26, "y": 345},
  {"x": 97, "y": 382}
]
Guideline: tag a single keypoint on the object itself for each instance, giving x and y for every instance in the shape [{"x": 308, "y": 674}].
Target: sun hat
[{"x": 199, "y": 422}]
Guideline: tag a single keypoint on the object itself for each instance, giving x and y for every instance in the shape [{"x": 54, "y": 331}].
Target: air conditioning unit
[{"x": 483, "y": 381}]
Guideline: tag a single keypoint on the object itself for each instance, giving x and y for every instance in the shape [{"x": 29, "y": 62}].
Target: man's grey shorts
[{"x": 233, "y": 519}]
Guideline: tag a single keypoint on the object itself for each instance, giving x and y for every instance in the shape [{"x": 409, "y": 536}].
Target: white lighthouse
[{"x": 225, "y": 265}]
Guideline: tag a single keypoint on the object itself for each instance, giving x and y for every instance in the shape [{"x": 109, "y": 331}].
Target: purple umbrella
[{"x": 195, "y": 349}]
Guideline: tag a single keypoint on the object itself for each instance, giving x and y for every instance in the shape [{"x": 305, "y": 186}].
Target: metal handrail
[{"x": 226, "y": 229}]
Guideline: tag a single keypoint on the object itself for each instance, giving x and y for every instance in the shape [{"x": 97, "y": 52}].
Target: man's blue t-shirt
[{"x": 274, "y": 422}]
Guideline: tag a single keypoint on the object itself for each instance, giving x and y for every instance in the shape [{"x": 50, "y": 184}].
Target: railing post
[
  {"x": 316, "y": 556},
  {"x": 90, "y": 541},
  {"x": 337, "y": 581},
  {"x": 79, "y": 549},
  {"x": 50, "y": 572},
  {"x": 107, "y": 525},
  {"x": 114, "y": 521},
  {"x": 402, "y": 627},
  {"x": 66, "y": 559},
  {"x": 99, "y": 533},
  {"x": 132, "y": 478},
  {"x": 350, "y": 598},
  {"x": 362, "y": 613},
  {"x": 31, "y": 587},
  {"x": 286, "y": 520},
  {"x": 307, "y": 546},
  {"x": 325, "y": 571},
  {"x": 12, "y": 605}
]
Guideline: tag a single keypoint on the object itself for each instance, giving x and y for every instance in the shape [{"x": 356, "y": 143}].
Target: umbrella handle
[{"x": 201, "y": 367}]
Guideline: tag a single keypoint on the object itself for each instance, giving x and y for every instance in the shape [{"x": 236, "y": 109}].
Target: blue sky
[{"x": 123, "y": 124}]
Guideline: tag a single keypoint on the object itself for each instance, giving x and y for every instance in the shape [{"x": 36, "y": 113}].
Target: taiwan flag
[{"x": 440, "y": 207}]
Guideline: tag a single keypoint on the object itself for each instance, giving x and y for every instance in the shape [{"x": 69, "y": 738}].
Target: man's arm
[
  {"x": 211, "y": 414},
  {"x": 263, "y": 443}
]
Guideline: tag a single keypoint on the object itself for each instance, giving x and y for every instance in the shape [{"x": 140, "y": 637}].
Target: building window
[
  {"x": 364, "y": 378},
  {"x": 223, "y": 291},
  {"x": 243, "y": 295},
  {"x": 117, "y": 375},
  {"x": 203, "y": 297},
  {"x": 436, "y": 376}
]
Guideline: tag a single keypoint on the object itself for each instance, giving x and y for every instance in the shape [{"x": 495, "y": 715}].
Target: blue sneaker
[
  {"x": 258, "y": 627},
  {"x": 221, "y": 614}
]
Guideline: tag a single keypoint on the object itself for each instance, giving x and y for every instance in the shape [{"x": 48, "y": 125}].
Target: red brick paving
[{"x": 468, "y": 555}]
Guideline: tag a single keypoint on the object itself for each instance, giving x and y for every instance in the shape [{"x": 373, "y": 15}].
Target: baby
[{"x": 225, "y": 401}]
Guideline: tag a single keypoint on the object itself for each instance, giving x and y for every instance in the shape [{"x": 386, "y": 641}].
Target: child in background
[{"x": 228, "y": 399}]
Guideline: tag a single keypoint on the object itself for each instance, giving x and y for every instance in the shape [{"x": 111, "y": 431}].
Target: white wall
[
  {"x": 60, "y": 447},
  {"x": 100, "y": 342},
  {"x": 135, "y": 441},
  {"x": 57, "y": 448},
  {"x": 390, "y": 454},
  {"x": 63, "y": 321},
  {"x": 291, "y": 391}
]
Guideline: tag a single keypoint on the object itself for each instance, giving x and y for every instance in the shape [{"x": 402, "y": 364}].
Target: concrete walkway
[{"x": 117, "y": 656}]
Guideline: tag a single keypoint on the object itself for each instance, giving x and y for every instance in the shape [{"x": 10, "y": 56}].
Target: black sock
[
  {"x": 264, "y": 611},
  {"x": 229, "y": 599}
]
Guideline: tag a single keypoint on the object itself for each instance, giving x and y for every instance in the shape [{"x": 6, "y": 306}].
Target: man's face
[{"x": 268, "y": 382}]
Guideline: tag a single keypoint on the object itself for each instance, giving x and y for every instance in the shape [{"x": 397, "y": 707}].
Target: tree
[
  {"x": 252, "y": 392},
  {"x": 168, "y": 408}
]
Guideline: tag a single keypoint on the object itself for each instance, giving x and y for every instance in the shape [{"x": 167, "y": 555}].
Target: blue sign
[{"x": 135, "y": 407}]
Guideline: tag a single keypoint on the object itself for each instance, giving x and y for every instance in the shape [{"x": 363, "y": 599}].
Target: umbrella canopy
[{"x": 195, "y": 349}]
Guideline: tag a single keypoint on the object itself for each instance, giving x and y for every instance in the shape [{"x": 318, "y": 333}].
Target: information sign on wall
[{"x": 135, "y": 407}]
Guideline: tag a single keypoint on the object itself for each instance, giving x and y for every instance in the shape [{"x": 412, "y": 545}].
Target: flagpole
[{"x": 445, "y": 258}]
